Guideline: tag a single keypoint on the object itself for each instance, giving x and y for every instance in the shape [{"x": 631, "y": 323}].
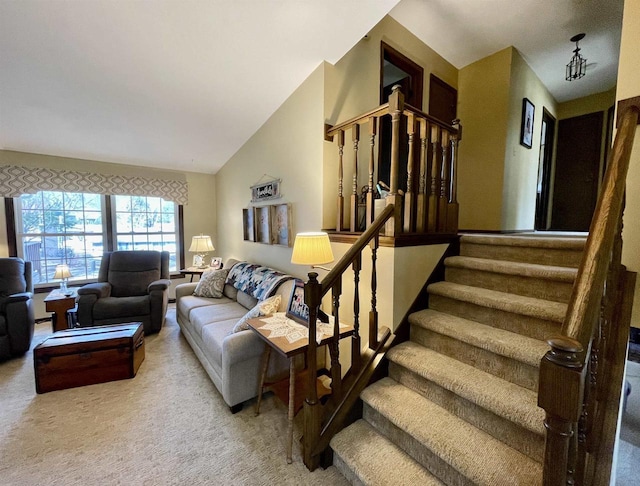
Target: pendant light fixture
[{"x": 577, "y": 67}]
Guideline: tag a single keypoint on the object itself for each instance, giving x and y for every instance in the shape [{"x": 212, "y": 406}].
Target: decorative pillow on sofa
[
  {"x": 263, "y": 308},
  {"x": 211, "y": 284}
]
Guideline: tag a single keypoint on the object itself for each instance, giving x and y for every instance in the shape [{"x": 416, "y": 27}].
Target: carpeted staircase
[{"x": 460, "y": 403}]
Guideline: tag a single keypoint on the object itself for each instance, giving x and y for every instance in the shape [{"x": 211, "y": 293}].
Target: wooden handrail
[
  {"x": 587, "y": 290},
  {"x": 376, "y": 112},
  {"x": 346, "y": 260},
  {"x": 408, "y": 109}
]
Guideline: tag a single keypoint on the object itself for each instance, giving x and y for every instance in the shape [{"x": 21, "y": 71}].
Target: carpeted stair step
[
  {"x": 363, "y": 456},
  {"x": 536, "y": 318},
  {"x": 504, "y": 410},
  {"x": 505, "y": 354},
  {"x": 561, "y": 252},
  {"x": 527, "y": 279},
  {"x": 449, "y": 447}
]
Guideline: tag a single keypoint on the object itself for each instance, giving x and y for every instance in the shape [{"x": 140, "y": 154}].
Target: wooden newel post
[
  {"x": 340, "y": 207},
  {"x": 560, "y": 394},
  {"x": 312, "y": 417},
  {"x": 396, "y": 106}
]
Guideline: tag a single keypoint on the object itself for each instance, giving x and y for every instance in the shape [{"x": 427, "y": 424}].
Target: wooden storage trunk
[{"x": 85, "y": 356}]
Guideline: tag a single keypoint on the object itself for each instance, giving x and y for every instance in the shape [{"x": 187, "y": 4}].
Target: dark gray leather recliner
[
  {"x": 133, "y": 286},
  {"x": 17, "y": 318}
]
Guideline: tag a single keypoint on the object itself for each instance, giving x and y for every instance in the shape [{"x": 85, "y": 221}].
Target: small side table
[
  {"x": 288, "y": 338},
  {"x": 59, "y": 303},
  {"x": 194, "y": 271}
]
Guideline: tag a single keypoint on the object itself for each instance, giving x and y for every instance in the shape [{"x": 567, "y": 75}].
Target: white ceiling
[{"x": 182, "y": 85}]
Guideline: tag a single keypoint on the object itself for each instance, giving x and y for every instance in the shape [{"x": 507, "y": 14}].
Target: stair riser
[
  {"x": 541, "y": 256},
  {"x": 523, "y": 440},
  {"x": 527, "y": 286},
  {"x": 525, "y": 325},
  {"x": 419, "y": 452},
  {"x": 346, "y": 471},
  {"x": 506, "y": 368}
]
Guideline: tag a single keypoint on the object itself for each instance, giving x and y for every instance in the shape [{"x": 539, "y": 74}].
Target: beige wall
[
  {"x": 589, "y": 104},
  {"x": 199, "y": 213},
  {"x": 521, "y": 163},
  {"x": 483, "y": 108},
  {"x": 629, "y": 87}
]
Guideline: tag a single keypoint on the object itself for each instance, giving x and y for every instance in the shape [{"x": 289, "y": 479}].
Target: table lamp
[
  {"x": 312, "y": 249},
  {"x": 201, "y": 245},
  {"x": 63, "y": 273}
]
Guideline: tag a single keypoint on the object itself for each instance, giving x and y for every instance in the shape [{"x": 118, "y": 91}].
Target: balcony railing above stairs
[
  {"x": 581, "y": 376},
  {"x": 428, "y": 203}
]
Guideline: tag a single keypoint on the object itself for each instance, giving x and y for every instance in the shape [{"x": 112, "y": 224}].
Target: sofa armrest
[
  {"x": 185, "y": 289},
  {"x": 241, "y": 346},
  {"x": 99, "y": 289},
  {"x": 162, "y": 284}
]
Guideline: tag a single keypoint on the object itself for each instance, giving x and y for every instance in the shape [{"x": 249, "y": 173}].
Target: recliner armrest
[
  {"x": 162, "y": 284},
  {"x": 99, "y": 289},
  {"x": 19, "y": 297}
]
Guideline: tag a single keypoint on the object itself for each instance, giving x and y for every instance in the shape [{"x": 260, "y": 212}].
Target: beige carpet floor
[{"x": 168, "y": 425}]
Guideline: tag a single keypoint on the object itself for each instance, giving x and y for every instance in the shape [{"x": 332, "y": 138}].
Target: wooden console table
[
  {"x": 59, "y": 303},
  {"x": 289, "y": 339}
]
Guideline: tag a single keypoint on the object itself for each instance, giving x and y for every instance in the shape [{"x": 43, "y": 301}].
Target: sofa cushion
[
  {"x": 201, "y": 316},
  {"x": 213, "y": 335},
  {"x": 211, "y": 284},
  {"x": 111, "y": 307},
  {"x": 230, "y": 291},
  {"x": 187, "y": 303},
  {"x": 266, "y": 307},
  {"x": 246, "y": 301}
]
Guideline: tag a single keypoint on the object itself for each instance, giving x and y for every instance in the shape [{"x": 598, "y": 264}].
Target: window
[{"x": 59, "y": 227}]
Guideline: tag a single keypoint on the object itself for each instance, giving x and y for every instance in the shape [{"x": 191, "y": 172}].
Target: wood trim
[
  {"x": 181, "y": 235},
  {"x": 400, "y": 241},
  {"x": 403, "y": 62},
  {"x": 10, "y": 219},
  {"x": 109, "y": 222}
]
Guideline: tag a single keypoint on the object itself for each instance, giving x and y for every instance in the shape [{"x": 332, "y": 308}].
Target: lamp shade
[
  {"x": 62, "y": 271},
  {"x": 312, "y": 249},
  {"x": 201, "y": 244}
]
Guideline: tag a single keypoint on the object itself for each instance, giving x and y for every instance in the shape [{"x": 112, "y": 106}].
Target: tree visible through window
[{"x": 59, "y": 227}]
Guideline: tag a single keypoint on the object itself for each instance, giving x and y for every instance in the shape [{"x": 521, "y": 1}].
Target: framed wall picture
[
  {"x": 248, "y": 226},
  {"x": 281, "y": 224},
  {"x": 297, "y": 309},
  {"x": 263, "y": 224},
  {"x": 526, "y": 129}
]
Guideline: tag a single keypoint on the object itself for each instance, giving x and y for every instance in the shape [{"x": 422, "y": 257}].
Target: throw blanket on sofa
[{"x": 255, "y": 280}]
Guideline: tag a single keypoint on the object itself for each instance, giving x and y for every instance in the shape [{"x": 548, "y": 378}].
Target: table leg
[
  {"x": 292, "y": 398},
  {"x": 263, "y": 374}
]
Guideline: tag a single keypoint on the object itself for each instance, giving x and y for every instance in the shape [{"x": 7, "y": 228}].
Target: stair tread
[
  {"x": 529, "y": 306},
  {"x": 565, "y": 243},
  {"x": 505, "y": 343},
  {"x": 503, "y": 398},
  {"x": 532, "y": 270},
  {"x": 375, "y": 460},
  {"x": 478, "y": 456}
]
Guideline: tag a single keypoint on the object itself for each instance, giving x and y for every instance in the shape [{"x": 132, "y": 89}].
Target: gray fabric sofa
[
  {"x": 17, "y": 319},
  {"x": 232, "y": 360}
]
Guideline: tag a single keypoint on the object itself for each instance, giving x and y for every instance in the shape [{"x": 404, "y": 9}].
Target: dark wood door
[
  {"x": 443, "y": 100},
  {"x": 577, "y": 172}
]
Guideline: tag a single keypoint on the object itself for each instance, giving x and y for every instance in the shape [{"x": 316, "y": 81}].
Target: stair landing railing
[
  {"x": 428, "y": 202},
  {"x": 322, "y": 422},
  {"x": 582, "y": 372}
]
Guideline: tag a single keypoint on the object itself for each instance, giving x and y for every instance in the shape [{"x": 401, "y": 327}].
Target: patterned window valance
[{"x": 16, "y": 180}]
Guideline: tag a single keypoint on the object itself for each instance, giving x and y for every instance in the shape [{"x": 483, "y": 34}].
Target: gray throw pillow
[{"x": 211, "y": 284}]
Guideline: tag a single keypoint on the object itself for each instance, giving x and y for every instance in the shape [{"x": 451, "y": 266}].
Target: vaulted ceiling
[{"x": 182, "y": 85}]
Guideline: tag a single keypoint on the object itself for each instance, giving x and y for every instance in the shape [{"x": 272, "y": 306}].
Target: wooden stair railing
[
  {"x": 321, "y": 422},
  {"x": 576, "y": 375},
  {"x": 428, "y": 202}
]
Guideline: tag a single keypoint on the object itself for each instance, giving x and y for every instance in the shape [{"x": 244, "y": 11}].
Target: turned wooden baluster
[
  {"x": 373, "y": 128},
  {"x": 434, "y": 181},
  {"x": 421, "y": 202},
  {"x": 355, "y": 137},
  {"x": 355, "y": 341},
  {"x": 409, "y": 195},
  {"x": 560, "y": 394},
  {"x": 334, "y": 349},
  {"x": 340, "y": 213},
  {"x": 396, "y": 107},
  {"x": 312, "y": 410},
  {"x": 373, "y": 313},
  {"x": 443, "y": 199},
  {"x": 452, "y": 207}
]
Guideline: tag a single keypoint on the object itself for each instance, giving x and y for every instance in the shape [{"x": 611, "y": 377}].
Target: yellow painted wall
[
  {"x": 521, "y": 163},
  {"x": 199, "y": 214},
  {"x": 629, "y": 87},
  {"x": 483, "y": 108}
]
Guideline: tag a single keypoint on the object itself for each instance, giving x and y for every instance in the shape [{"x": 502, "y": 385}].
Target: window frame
[{"x": 108, "y": 235}]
